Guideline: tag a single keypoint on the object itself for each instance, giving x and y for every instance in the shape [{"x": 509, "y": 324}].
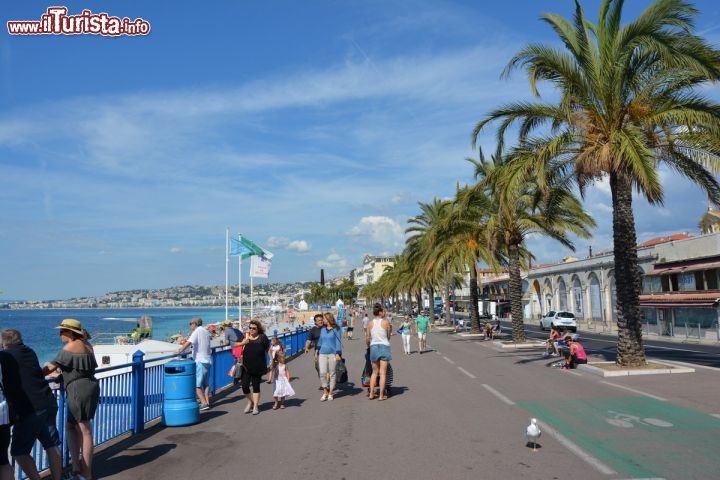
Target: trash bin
[{"x": 179, "y": 405}]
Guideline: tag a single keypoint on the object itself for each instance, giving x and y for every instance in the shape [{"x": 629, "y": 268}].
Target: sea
[{"x": 39, "y": 333}]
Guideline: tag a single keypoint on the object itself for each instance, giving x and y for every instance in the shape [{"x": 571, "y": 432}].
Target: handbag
[
  {"x": 341, "y": 371},
  {"x": 401, "y": 330}
]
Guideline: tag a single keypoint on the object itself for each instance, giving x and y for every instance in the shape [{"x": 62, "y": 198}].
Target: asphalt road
[
  {"x": 604, "y": 345},
  {"x": 457, "y": 412}
]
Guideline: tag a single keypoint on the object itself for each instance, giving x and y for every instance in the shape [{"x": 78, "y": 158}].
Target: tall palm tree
[
  {"x": 628, "y": 102},
  {"x": 523, "y": 210}
]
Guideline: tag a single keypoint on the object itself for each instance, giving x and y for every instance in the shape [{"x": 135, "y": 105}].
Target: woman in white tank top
[{"x": 378, "y": 339}]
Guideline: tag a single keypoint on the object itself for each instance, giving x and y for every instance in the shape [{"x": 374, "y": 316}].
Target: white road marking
[
  {"x": 466, "y": 372},
  {"x": 639, "y": 392},
  {"x": 448, "y": 360},
  {"x": 582, "y": 454},
  {"x": 685, "y": 364},
  {"x": 497, "y": 394},
  {"x": 716, "y": 415},
  {"x": 575, "y": 373},
  {"x": 438, "y": 353}
]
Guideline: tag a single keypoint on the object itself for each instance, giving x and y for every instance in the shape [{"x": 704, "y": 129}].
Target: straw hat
[
  {"x": 227, "y": 323},
  {"x": 72, "y": 325}
]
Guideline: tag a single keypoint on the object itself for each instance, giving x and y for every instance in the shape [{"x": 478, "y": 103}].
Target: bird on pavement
[{"x": 533, "y": 433}]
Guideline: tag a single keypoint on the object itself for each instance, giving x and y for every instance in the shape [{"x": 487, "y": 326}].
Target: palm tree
[
  {"x": 522, "y": 210},
  {"x": 628, "y": 102}
]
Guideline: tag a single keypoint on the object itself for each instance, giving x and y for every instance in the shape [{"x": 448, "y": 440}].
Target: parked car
[{"x": 560, "y": 319}]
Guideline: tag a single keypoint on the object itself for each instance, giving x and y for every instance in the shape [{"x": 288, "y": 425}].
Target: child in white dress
[
  {"x": 275, "y": 348},
  {"x": 283, "y": 389}
]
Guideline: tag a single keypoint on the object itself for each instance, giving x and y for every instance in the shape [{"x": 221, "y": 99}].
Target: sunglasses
[{"x": 253, "y": 328}]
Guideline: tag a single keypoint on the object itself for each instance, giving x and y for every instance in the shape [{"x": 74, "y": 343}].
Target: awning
[
  {"x": 677, "y": 305},
  {"x": 685, "y": 267}
]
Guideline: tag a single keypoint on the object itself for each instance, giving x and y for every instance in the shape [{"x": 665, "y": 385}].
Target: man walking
[
  {"x": 366, "y": 320},
  {"x": 313, "y": 338},
  {"x": 36, "y": 409},
  {"x": 423, "y": 325},
  {"x": 201, "y": 353}
]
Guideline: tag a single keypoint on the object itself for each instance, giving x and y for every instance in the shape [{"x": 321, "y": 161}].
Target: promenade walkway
[{"x": 457, "y": 412}]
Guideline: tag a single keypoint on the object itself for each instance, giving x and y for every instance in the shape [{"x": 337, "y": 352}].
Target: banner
[
  {"x": 244, "y": 248},
  {"x": 260, "y": 266}
]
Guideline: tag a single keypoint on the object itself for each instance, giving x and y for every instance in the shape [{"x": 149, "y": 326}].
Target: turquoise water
[{"x": 37, "y": 326}]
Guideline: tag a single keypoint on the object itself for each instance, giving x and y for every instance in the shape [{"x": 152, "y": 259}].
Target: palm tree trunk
[
  {"x": 419, "y": 301},
  {"x": 431, "y": 302},
  {"x": 474, "y": 298},
  {"x": 448, "y": 317},
  {"x": 630, "y": 350},
  {"x": 518, "y": 327}
]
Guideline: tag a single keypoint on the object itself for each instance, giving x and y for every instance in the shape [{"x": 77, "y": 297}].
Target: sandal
[
  {"x": 275, "y": 407},
  {"x": 384, "y": 397},
  {"x": 282, "y": 407}
]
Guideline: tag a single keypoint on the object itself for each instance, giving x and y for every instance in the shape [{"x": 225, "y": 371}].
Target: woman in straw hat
[{"x": 77, "y": 363}]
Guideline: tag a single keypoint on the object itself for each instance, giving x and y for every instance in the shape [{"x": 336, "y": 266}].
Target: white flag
[{"x": 260, "y": 266}]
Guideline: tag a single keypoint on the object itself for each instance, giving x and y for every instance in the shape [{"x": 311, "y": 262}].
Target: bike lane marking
[
  {"x": 466, "y": 372},
  {"x": 639, "y": 392},
  {"x": 448, "y": 360},
  {"x": 636, "y": 436},
  {"x": 498, "y": 395}
]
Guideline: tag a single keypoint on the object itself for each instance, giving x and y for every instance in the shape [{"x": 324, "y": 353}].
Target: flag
[
  {"x": 260, "y": 266},
  {"x": 244, "y": 248}
]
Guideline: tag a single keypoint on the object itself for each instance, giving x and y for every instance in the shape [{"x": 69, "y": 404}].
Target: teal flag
[{"x": 244, "y": 248}]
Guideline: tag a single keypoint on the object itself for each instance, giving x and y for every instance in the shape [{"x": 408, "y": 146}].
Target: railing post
[
  {"x": 138, "y": 392},
  {"x": 213, "y": 380}
]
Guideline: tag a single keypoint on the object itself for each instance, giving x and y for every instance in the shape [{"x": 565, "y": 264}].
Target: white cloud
[
  {"x": 604, "y": 208},
  {"x": 381, "y": 230},
  {"x": 333, "y": 261},
  {"x": 175, "y": 250},
  {"x": 300, "y": 246}
]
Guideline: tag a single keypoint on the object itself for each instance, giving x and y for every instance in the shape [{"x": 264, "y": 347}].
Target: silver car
[{"x": 560, "y": 319}]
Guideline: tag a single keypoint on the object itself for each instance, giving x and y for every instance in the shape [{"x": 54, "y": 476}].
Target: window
[
  {"x": 705, "y": 317},
  {"x": 652, "y": 284},
  {"x": 699, "y": 280},
  {"x": 686, "y": 281},
  {"x": 711, "y": 279},
  {"x": 565, "y": 315}
]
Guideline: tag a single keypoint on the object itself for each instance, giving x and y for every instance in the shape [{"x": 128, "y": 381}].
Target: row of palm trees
[{"x": 629, "y": 100}]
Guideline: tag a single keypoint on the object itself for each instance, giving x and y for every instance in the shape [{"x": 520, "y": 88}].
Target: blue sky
[{"x": 311, "y": 127}]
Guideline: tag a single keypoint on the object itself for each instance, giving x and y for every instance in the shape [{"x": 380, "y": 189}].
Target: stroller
[{"x": 367, "y": 371}]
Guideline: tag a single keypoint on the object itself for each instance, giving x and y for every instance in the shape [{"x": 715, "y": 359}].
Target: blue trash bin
[{"x": 179, "y": 405}]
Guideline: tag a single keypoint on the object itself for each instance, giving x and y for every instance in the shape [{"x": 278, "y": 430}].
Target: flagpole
[
  {"x": 251, "y": 297},
  {"x": 240, "y": 286},
  {"x": 227, "y": 265}
]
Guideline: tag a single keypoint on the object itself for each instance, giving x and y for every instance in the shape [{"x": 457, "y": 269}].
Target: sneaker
[
  {"x": 204, "y": 407},
  {"x": 324, "y": 397},
  {"x": 255, "y": 411},
  {"x": 248, "y": 408},
  {"x": 330, "y": 397}
]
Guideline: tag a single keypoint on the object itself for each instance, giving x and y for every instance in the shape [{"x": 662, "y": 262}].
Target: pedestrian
[
  {"x": 10, "y": 398},
  {"x": 313, "y": 338},
  {"x": 378, "y": 339},
  {"x": 422, "y": 323},
  {"x": 202, "y": 355},
  {"x": 351, "y": 328},
  {"x": 366, "y": 319},
  {"x": 551, "y": 342},
  {"x": 36, "y": 413},
  {"x": 282, "y": 389},
  {"x": 275, "y": 347},
  {"x": 76, "y": 362},
  {"x": 406, "y": 327},
  {"x": 329, "y": 353},
  {"x": 233, "y": 337},
  {"x": 255, "y": 345},
  {"x": 575, "y": 353}
]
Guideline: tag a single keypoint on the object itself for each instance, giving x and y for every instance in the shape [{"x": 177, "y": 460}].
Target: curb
[{"x": 671, "y": 369}]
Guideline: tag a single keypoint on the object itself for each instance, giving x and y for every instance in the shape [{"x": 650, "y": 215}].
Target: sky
[{"x": 312, "y": 128}]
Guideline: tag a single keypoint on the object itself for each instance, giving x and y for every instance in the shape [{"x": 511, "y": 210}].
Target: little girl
[
  {"x": 282, "y": 381},
  {"x": 275, "y": 348}
]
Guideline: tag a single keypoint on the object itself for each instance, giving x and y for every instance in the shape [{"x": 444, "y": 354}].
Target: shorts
[
  {"x": 202, "y": 374},
  {"x": 350, "y": 329},
  {"x": 4, "y": 444},
  {"x": 380, "y": 352},
  {"x": 422, "y": 336},
  {"x": 36, "y": 426}
]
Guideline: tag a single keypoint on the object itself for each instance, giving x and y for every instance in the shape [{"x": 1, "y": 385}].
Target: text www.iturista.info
[{"x": 56, "y": 21}]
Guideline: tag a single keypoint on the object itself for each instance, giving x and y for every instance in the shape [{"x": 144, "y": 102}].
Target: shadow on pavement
[{"x": 130, "y": 458}]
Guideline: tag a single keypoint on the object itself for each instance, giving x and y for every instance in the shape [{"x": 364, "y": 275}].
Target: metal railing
[{"x": 132, "y": 395}]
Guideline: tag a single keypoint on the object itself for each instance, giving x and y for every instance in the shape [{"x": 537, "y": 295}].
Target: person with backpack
[{"x": 378, "y": 339}]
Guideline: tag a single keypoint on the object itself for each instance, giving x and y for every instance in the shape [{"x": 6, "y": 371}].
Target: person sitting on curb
[
  {"x": 575, "y": 353},
  {"x": 552, "y": 342}
]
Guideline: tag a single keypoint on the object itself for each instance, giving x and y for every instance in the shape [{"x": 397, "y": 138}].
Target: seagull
[{"x": 533, "y": 433}]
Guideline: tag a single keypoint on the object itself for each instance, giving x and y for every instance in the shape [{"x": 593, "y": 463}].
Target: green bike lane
[{"x": 628, "y": 434}]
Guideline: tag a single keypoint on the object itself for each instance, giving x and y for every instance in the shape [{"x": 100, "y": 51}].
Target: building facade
[
  {"x": 680, "y": 287},
  {"x": 372, "y": 269}
]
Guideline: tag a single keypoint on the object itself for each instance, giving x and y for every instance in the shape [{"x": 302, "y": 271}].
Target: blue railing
[{"x": 132, "y": 395}]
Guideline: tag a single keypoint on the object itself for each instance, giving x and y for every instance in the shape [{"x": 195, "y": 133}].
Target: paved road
[
  {"x": 457, "y": 412},
  {"x": 700, "y": 354}
]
